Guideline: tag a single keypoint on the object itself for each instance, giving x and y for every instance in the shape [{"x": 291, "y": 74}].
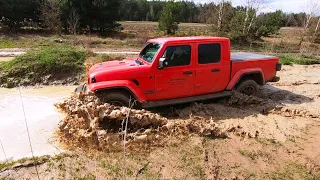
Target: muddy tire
[
  {"x": 115, "y": 98},
  {"x": 248, "y": 87}
]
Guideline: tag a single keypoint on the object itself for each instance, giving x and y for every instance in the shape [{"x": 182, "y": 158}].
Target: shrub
[
  {"x": 55, "y": 62},
  {"x": 289, "y": 59}
]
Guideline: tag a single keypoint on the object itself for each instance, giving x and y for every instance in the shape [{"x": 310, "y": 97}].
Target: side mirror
[{"x": 163, "y": 62}]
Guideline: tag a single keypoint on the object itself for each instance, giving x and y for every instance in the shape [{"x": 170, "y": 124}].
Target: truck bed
[
  {"x": 245, "y": 56},
  {"x": 265, "y": 63}
]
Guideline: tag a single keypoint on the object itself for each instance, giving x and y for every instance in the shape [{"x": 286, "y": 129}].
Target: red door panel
[
  {"x": 212, "y": 69},
  {"x": 176, "y": 81}
]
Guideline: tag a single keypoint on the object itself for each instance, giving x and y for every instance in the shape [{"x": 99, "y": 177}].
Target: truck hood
[
  {"x": 118, "y": 70},
  {"x": 115, "y": 64}
]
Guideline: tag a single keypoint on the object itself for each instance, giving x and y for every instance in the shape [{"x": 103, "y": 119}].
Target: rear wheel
[
  {"x": 248, "y": 87},
  {"x": 115, "y": 98}
]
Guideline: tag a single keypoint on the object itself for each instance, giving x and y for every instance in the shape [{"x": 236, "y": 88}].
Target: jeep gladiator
[{"x": 178, "y": 70}]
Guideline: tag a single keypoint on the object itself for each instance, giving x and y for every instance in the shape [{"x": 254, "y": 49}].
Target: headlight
[{"x": 93, "y": 79}]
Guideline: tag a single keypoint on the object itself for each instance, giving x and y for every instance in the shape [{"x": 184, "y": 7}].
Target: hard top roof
[{"x": 188, "y": 39}]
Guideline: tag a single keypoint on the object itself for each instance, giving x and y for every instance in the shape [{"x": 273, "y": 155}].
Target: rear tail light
[{"x": 278, "y": 67}]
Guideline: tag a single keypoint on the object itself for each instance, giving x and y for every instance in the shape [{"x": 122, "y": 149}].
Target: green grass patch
[
  {"x": 253, "y": 154},
  {"x": 6, "y": 165},
  {"x": 56, "y": 61},
  {"x": 294, "y": 171},
  {"x": 7, "y": 43},
  {"x": 303, "y": 59}
]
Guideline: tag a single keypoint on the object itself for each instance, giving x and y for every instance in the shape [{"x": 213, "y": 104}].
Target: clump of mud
[{"x": 92, "y": 124}]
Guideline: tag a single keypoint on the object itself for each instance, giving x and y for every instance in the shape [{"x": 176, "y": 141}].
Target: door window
[
  {"x": 178, "y": 55},
  {"x": 209, "y": 53}
]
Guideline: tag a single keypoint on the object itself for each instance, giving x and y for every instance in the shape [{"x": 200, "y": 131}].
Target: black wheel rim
[{"x": 248, "y": 90}]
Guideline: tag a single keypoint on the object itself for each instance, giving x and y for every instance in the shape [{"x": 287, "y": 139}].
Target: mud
[{"x": 91, "y": 124}]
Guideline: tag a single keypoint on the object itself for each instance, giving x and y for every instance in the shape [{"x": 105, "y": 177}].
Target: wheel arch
[
  {"x": 121, "y": 89},
  {"x": 256, "y": 76},
  {"x": 242, "y": 75},
  {"x": 125, "y": 86}
]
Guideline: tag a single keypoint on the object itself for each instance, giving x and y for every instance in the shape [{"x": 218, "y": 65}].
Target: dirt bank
[{"x": 275, "y": 135}]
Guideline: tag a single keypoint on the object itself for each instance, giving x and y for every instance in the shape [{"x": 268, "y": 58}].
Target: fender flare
[
  {"x": 237, "y": 77},
  {"x": 119, "y": 84}
]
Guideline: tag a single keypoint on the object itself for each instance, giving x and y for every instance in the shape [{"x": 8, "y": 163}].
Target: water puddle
[{"x": 42, "y": 118}]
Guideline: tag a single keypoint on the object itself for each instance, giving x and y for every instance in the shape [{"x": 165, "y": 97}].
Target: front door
[{"x": 177, "y": 79}]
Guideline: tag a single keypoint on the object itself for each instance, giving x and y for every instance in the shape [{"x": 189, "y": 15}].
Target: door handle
[
  {"x": 187, "y": 73},
  {"x": 215, "y": 70}
]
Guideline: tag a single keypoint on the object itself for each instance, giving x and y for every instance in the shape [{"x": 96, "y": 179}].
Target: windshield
[{"x": 149, "y": 52}]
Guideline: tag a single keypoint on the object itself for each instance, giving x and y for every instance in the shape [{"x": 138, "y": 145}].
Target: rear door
[
  {"x": 177, "y": 80},
  {"x": 212, "y": 71}
]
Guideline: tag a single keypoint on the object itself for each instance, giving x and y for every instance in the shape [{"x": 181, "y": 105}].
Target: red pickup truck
[{"x": 178, "y": 70}]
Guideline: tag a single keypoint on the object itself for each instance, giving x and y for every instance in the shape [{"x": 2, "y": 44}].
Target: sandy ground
[
  {"x": 273, "y": 136},
  {"x": 11, "y": 52}
]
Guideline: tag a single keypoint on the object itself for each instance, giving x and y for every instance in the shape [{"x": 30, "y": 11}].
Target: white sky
[{"x": 295, "y": 6}]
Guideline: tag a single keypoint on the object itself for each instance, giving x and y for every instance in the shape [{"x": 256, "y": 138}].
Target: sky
[{"x": 288, "y": 6}]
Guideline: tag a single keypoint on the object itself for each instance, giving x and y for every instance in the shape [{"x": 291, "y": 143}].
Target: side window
[
  {"x": 209, "y": 53},
  {"x": 178, "y": 55}
]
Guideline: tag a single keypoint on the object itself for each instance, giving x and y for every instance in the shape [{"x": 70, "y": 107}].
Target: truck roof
[{"x": 188, "y": 39}]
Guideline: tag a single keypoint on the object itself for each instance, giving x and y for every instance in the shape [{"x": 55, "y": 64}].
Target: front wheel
[
  {"x": 116, "y": 98},
  {"x": 248, "y": 87}
]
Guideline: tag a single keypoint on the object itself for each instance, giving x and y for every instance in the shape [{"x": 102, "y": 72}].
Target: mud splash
[{"x": 92, "y": 124}]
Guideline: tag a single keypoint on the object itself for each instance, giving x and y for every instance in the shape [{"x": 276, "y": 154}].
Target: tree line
[{"x": 78, "y": 16}]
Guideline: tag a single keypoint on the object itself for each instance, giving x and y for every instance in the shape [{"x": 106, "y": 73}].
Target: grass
[
  {"x": 6, "y": 165},
  {"x": 36, "y": 63},
  {"x": 190, "y": 159},
  {"x": 253, "y": 154},
  {"x": 294, "y": 170},
  {"x": 87, "y": 177},
  {"x": 302, "y": 59}
]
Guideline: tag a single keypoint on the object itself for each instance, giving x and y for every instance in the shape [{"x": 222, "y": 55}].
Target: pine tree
[{"x": 168, "y": 21}]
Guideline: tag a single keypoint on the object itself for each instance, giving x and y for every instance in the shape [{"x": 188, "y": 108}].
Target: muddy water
[{"x": 42, "y": 118}]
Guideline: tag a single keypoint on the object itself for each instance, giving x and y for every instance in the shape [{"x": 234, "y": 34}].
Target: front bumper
[{"x": 82, "y": 88}]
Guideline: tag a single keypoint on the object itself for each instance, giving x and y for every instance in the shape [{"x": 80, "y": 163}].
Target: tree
[
  {"x": 15, "y": 13},
  {"x": 252, "y": 7},
  {"x": 50, "y": 15},
  {"x": 98, "y": 15},
  {"x": 168, "y": 21},
  {"x": 268, "y": 23},
  {"x": 236, "y": 27},
  {"x": 312, "y": 9}
]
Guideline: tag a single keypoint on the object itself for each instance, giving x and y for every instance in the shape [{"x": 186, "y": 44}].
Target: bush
[
  {"x": 289, "y": 59},
  {"x": 39, "y": 65}
]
